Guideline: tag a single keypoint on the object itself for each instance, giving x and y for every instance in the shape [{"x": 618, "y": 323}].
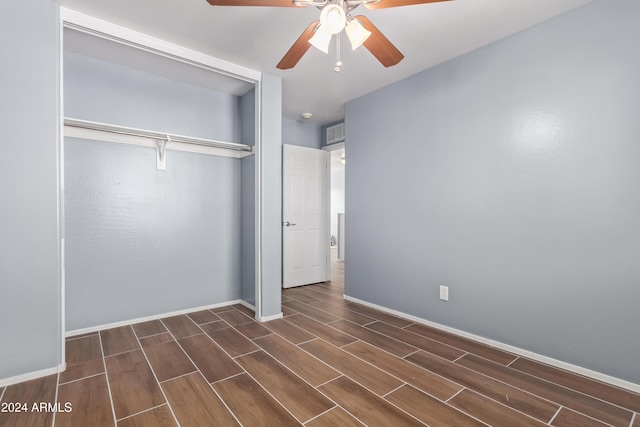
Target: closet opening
[{"x": 159, "y": 195}]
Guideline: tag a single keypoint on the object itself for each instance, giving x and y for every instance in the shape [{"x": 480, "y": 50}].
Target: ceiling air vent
[{"x": 335, "y": 133}]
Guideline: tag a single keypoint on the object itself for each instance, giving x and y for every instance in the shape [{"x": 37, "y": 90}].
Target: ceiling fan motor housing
[{"x": 333, "y": 17}]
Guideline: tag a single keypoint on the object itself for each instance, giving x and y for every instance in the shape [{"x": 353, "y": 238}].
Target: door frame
[{"x": 329, "y": 148}]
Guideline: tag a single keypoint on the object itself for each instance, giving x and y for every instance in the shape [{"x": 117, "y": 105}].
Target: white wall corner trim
[
  {"x": 249, "y": 306},
  {"x": 506, "y": 347},
  {"x": 146, "y": 319},
  {"x": 269, "y": 318}
]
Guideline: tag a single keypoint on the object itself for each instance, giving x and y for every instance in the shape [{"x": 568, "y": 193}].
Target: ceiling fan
[{"x": 335, "y": 16}]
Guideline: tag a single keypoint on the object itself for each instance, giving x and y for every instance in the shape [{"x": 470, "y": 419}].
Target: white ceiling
[{"x": 258, "y": 37}]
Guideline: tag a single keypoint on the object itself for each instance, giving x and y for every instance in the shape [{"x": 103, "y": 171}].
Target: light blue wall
[
  {"x": 304, "y": 134},
  {"x": 143, "y": 242},
  {"x": 510, "y": 174},
  {"x": 30, "y": 317},
  {"x": 106, "y": 92},
  {"x": 271, "y": 194}
]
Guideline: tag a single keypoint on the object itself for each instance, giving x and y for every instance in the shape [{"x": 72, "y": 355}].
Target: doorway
[
  {"x": 337, "y": 202},
  {"x": 337, "y": 165}
]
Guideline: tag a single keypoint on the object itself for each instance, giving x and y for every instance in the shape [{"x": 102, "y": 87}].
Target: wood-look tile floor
[{"x": 329, "y": 362}]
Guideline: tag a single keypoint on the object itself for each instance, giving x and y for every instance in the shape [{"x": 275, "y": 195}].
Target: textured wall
[
  {"x": 142, "y": 242},
  {"x": 30, "y": 317},
  {"x": 511, "y": 175}
]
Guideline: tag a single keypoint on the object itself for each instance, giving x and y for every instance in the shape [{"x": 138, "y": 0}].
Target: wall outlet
[{"x": 444, "y": 293}]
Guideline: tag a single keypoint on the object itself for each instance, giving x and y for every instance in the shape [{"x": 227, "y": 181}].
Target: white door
[{"x": 305, "y": 216}]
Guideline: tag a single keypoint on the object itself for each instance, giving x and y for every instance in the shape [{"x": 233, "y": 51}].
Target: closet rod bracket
[{"x": 161, "y": 153}]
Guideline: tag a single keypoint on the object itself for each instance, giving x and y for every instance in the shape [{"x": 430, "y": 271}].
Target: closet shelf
[{"x": 154, "y": 135}]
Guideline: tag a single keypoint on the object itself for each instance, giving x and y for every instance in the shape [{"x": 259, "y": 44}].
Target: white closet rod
[{"x": 122, "y": 130}]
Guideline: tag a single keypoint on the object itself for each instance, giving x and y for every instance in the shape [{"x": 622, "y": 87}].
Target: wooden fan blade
[
  {"x": 395, "y": 3},
  {"x": 379, "y": 45},
  {"x": 299, "y": 48},
  {"x": 269, "y": 3}
]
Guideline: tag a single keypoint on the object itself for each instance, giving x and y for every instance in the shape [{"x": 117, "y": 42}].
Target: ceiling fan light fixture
[
  {"x": 321, "y": 39},
  {"x": 357, "y": 33},
  {"x": 333, "y": 18}
]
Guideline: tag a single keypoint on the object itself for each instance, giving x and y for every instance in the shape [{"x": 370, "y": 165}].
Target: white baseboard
[
  {"x": 506, "y": 347},
  {"x": 146, "y": 319},
  {"x": 33, "y": 375},
  {"x": 268, "y": 318},
  {"x": 261, "y": 319},
  {"x": 63, "y": 366},
  {"x": 250, "y": 306}
]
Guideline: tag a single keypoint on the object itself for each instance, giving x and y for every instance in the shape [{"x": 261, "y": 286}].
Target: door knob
[{"x": 288, "y": 223}]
